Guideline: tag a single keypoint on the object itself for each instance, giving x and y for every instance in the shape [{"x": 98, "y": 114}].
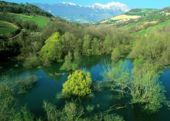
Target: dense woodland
[{"x": 64, "y": 42}]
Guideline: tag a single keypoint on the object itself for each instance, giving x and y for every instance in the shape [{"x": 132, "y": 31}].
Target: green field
[
  {"x": 153, "y": 28},
  {"x": 41, "y": 21},
  {"x": 6, "y": 28}
]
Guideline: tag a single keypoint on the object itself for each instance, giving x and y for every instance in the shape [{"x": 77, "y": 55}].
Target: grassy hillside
[
  {"x": 41, "y": 21},
  {"x": 141, "y": 20},
  {"x": 14, "y": 17},
  {"x": 7, "y": 28}
]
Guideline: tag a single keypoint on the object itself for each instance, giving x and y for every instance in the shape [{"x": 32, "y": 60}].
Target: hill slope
[{"x": 137, "y": 20}]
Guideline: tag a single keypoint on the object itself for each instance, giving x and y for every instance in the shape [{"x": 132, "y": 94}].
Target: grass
[
  {"x": 153, "y": 28},
  {"x": 41, "y": 21},
  {"x": 7, "y": 28}
]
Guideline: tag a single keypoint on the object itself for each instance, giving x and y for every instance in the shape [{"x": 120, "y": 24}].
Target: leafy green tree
[
  {"x": 23, "y": 115},
  {"x": 153, "y": 48},
  {"x": 116, "y": 54},
  {"x": 78, "y": 84},
  {"x": 72, "y": 112},
  {"x": 95, "y": 46},
  {"x": 142, "y": 85},
  {"x": 52, "y": 113},
  {"x": 113, "y": 117},
  {"x": 146, "y": 89},
  {"x": 52, "y": 50},
  {"x": 119, "y": 76},
  {"x": 69, "y": 63},
  {"x": 108, "y": 44},
  {"x": 69, "y": 42},
  {"x": 86, "y": 45}
]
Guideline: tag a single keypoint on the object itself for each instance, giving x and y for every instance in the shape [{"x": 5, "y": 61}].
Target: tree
[
  {"x": 142, "y": 85},
  {"x": 120, "y": 77},
  {"x": 52, "y": 50},
  {"x": 146, "y": 89},
  {"x": 95, "y": 46},
  {"x": 86, "y": 45},
  {"x": 116, "y": 54},
  {"x": 77, "y": 84},
  {"x": 68, "y": 64},
  {"x": 108, "y": 44}
]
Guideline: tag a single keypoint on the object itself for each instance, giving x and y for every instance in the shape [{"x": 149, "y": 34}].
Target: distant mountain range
[{"x": 85, "y": 14}]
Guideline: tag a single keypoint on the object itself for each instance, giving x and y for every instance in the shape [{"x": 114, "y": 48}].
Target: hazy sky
[{"x": 129, "y": 3}]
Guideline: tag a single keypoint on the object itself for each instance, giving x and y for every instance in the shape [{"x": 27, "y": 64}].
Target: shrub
[{"x": 78, "y": 84}]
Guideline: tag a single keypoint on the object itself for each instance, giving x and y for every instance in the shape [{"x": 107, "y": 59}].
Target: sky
[{"x": 130, "y": 3}]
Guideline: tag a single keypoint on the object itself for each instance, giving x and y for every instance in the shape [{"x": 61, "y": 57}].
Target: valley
[{"x": 115, "y": 69}]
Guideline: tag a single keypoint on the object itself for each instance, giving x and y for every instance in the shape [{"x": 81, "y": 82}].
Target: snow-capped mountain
[{"x": 85, "y": 14}]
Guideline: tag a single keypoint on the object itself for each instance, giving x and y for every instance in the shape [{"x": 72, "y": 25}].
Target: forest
[{"x": 132, "y": 64}]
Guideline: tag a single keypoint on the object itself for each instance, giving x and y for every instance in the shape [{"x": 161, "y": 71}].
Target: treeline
[
  {"x": 22, "y": 8},
  {"x": 68, "y": 42},
  {"x": 153, "y": 47}
]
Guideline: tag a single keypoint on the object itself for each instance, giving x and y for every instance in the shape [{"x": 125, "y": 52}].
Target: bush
[
  {"x": 116, "y": 54},
  {"x": 78, "y": 84},
  {"x": 31, "y": 61}
]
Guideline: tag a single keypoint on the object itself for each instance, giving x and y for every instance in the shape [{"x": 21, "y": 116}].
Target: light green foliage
[
  {"x": 146, "y": 88},
  {"x": 116, "y": 54},
  {"x": 86, "y": 44},
  {"x": 41, "y": 21},
  {"x": 51, "y": 112},
  {"x": 119, "y": 76},
  {"x": 108, "y": 44},
  {"x": 70, "y": 63},
  {"x": 70, "y": 112},
  {"x": 78, "y": 84},
  {"x": 153, "y": 48},
  {"x": 142, "y": 85},
  {"x": 95, "y": 46},
  {"x": 69, "y": 42},
  {"x": 113, "y": 117},
  {"x": 51, "y": 50}
]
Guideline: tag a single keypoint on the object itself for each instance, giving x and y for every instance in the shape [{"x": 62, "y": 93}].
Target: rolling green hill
[
  {"x": 7, "y": 28},
  {"x": 40, "y": 21},
  {"x": 141, "y": 20},
  {"x": 15, "y": 17}
]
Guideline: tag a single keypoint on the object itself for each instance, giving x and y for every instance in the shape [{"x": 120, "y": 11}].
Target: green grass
[
  {"x": 41, "y": 21},
  {"x": 154, "y": 28},
  {"x": 7, "y": 28}
]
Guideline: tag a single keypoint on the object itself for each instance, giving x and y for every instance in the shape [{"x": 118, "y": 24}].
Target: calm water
[{"x": 50, "y": 84}]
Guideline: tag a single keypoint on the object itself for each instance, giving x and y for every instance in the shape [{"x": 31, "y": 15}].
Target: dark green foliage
[
  {"x": 6, "y": 102},
  {"x": 31, "y": 62},
  {"x": 70, "y": 112},
  {"x": 22, "y": 8},
  {"x": 112, "y": 117},
  {"x": 23, "y": 115}
]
